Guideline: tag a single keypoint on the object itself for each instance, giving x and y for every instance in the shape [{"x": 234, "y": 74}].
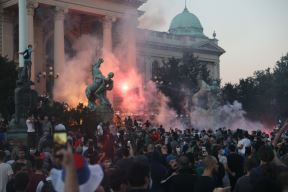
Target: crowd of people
[{"x": 143, "y": 157}]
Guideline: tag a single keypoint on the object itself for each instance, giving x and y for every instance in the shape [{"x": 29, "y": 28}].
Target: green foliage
[
  {"x": 264, "y": 95},
  {"x": 8, "y": 77},
  {"x": 178, "y": 77},
  {"x": 69, "y": 116}
]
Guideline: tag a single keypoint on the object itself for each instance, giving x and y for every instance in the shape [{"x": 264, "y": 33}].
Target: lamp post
[{"x": 49, "y": 76}]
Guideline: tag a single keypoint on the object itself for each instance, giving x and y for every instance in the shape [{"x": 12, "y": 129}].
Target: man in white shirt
[
  {"x": 242, "y": 144},
  {"x": 100, "y": 129},
  {"x": 5, "y": 172},
  {"x": 31, "y": 132}
]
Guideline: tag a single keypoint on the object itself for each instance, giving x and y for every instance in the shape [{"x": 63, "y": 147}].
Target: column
[
  {"x": 7, "y": 35},
  {"x": 107, "y": 34},
  {"x": 31, "y": 5},
  {"x": 131, "y": 47},
  {"x": 107, "y": 46},
  {"x": 59, "y": 51},
  {"x": 22, "y": 29},
  {"x": 218, "y": 69},
  {"x": 40, "y": 66}
]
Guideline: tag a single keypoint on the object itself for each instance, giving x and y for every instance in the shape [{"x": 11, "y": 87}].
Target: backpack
[{"x": 26, "y": 54}]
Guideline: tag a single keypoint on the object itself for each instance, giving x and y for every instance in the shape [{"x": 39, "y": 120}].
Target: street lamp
[{"x": 49, "y": 76}]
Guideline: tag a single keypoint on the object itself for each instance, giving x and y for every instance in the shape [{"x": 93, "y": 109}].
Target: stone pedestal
[
  {"x": 26, "y": 100},
  {"x": 93, "y": 118}
]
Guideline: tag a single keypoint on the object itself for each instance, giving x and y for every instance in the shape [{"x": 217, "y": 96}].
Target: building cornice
[
  {"x": 8, "y": 3},
  {"x": 169, "y": 47},
  {"x": 134, "y": 3}
]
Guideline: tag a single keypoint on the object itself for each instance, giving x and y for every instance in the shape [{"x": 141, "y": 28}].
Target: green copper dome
[{"x": 186, "y": 23}]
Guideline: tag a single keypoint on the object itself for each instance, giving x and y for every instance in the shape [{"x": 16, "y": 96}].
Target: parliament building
[{"x": 44, "y": 24}]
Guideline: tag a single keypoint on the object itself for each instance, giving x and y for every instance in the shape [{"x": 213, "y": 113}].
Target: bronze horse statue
[{"x": 97, "y": 90}]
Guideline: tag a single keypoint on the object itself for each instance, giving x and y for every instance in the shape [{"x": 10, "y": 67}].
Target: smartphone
[{"x": 60, "y": 138}]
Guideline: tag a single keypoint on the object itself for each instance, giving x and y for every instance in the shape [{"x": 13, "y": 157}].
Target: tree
[
  {"x": 177, "y": 78},
  {"x": 8, "y": 76},
  {"x": 281, "y": 86},
  {"x": 264, "y": 95}
]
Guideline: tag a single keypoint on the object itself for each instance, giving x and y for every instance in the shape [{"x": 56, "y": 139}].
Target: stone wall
[{"x": 7, "y": 35}]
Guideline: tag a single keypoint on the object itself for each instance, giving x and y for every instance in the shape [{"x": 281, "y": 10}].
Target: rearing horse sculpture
[{"x": 99, "y": 87}]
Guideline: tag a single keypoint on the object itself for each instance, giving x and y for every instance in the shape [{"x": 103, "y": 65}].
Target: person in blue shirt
[{"x": 27, "y": 54}]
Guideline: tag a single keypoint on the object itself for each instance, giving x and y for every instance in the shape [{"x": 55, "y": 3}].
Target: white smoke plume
[
  {"x": 231, "y": 116},
  {"x": 76, "y": 75},
  {"x": 154, "y": 16},
  {"x": 70, "y": 88}
]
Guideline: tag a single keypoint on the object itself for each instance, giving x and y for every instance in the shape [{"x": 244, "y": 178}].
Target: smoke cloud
[
  {"x": 134, "y": 96},
  {"x": 231, "y": 116},
  {"x": 154, "y": 16},
  {"x": 76, "y": 75}
]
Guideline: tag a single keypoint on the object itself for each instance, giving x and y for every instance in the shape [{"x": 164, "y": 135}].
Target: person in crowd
[
  {"x": 99, "y": 131},
  {"x": 220, "y": 174},
  {"x": 243, "y": 184},
  {"x": 36, "y": 176},
  {"x": 6, "y": 172},
  {"x": 235, "y": 166},
  {"x": 136, "y": 125},
  {"x": 31, "y": 132},
  {"x": 21, "y": 181},
  {"x": 91, "y": 153},
  {"x": 22, "y": 159},
  {"x": 117, "y": 183},
  {"x": 183, "y": 179},
  {"x": 243, "y": 143},
  {"x": 46, "y": 125},
  {"x": 147, "y": 124},
  {"x": 157, "y": 167},
  {"x": 3, "y": 129},
  {"x": 125, "y": 162},
  {"x": 139, "y": 179},
  {"x": 264, "y": 177},
  {"x": 59, "y": 126},
  {"x": 38, "y": 127},
  {"x": 206, "y": 182},
  {"x": 108, "y": 144}
]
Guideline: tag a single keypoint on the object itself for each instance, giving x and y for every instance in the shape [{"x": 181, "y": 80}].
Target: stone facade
[
  {"x": 46, "y": 27},
  {"x": 160, "y": 46}
]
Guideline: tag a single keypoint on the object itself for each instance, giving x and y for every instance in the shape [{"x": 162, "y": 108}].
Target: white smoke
[
  {"x": 231, "y": 116},
  {"x": 154, "y": 16},
  {"x": 76, "y": 75}
]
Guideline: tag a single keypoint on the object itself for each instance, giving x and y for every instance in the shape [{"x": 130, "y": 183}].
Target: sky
[{"x": 254, "y": 33}]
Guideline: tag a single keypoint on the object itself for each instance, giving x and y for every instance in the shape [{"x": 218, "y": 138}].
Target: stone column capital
[
  {"x": 108, "y": 21},
  {"x": 60, "y": 12},
  {"x": 109, "y": 18},
  {"x": 31, "y": 5}
]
